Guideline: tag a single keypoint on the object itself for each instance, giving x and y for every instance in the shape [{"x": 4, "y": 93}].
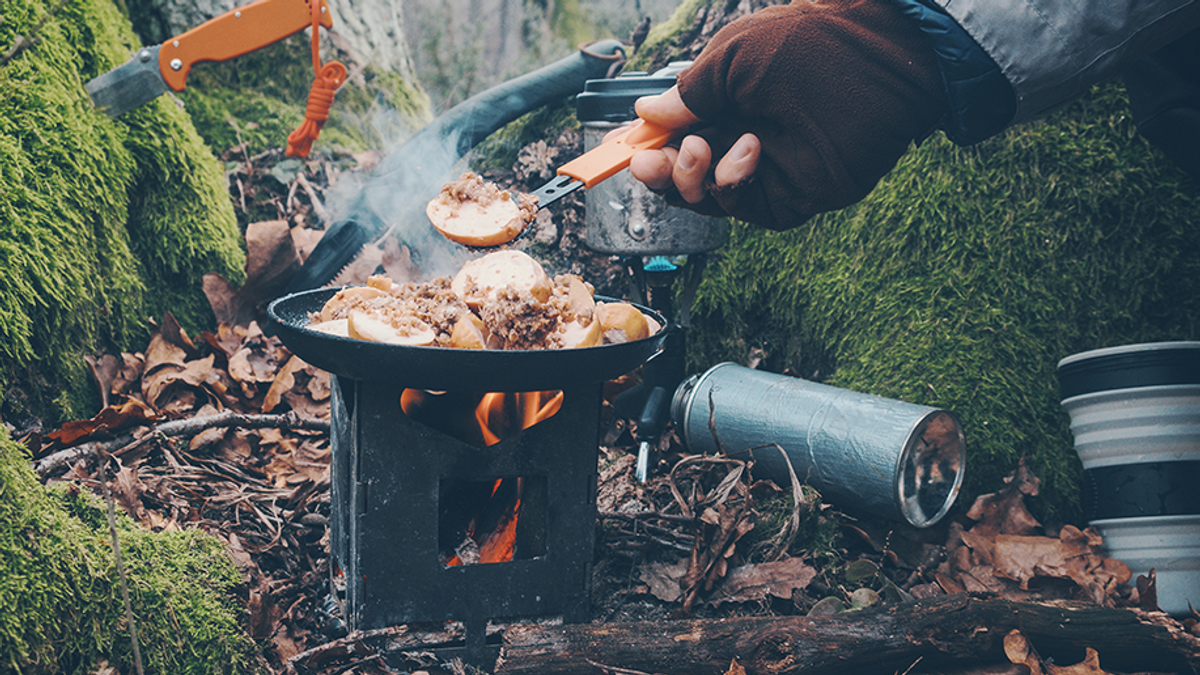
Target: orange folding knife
[{"x": 239, "y": 31}]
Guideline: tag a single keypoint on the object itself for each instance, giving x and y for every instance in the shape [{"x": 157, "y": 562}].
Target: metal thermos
[
  {"x": 623, "y": 216},
  {"x": 863, "y": 453}
]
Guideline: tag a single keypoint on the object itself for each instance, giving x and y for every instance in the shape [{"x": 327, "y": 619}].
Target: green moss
[
  {"x": 967, "y": 274},
  {"x": 103, "y": 223},
  {"x": 669, "y": 40},
  {"x": 59, "y": 587},
  {"x": 499, "y": 151},
  {"x": 816, "y": 537}
]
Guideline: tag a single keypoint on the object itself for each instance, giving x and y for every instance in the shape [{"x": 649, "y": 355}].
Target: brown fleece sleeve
[{"x": 836, "y": 90}]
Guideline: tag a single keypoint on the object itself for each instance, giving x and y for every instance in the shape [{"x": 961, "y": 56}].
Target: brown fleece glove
[{"x": 836, "y": 90}]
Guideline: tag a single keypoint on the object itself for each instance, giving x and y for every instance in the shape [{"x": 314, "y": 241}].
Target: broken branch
[
  {"x": 289, "y": 421},
  {"x": 944, "y": 632}
]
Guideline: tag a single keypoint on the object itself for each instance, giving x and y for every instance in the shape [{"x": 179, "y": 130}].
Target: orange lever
[
  {"x": 234, "y": 33},
  {"x": 613, "y": 155}
]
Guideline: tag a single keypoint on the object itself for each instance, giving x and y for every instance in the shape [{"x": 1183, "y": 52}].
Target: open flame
[{"x": 491, "y": 534}]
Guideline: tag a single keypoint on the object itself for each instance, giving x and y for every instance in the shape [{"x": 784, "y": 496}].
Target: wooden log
[{"x": 947, "y": 632}]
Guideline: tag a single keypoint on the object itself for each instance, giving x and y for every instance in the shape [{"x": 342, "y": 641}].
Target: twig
[
  {"x": 116, "y": 544},
  {"x": 636, "y": 516},
  {"x": 318, "y": 207},
  {"x": 22, "y": 43},
  {"x": 615, "y": 670},
  {"x": 783, "y": 540},
  {"x": 125, "y": 444},
  {"x": 398, "y": 637},
  {"x": 914, "y": 665},
  {"x": 289, "y": 421}
]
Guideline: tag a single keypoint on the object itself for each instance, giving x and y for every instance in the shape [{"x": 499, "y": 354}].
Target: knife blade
[
  {"x": 603, "y": 162},
  {"x": 153, "y": 70}
]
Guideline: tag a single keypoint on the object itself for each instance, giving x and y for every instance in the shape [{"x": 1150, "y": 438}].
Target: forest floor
[{"x": 703, "y": 538}]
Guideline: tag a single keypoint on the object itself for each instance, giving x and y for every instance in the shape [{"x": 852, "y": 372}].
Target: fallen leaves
[
  {"x": 258, "y": 481},
  {"x": 1019, "y": 651},
  {"x": 1002, "y": 553}
]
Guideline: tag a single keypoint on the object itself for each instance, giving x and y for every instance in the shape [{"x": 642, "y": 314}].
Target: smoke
[{"x": 390, "y": 201}]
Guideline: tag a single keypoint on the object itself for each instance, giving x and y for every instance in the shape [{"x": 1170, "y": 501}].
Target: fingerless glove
[{"x": 836, "y": 90}]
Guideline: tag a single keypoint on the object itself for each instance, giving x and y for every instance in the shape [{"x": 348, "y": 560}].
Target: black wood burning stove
[{"x": 401, "y": 480}]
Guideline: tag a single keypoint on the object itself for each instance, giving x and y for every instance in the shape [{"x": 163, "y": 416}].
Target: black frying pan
[{"x": 442, "y": 368}]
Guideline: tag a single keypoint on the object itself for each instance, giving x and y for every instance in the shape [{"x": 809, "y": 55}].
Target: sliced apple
[
  {"x": 338, "y": 327},
  {"x": 576, "y": 335},
  {"x": 481, "y": 279},
  {"x": 621, "y": 322},
  {"x": 380, "y": 281},
  {"x": 469, "y": 333},
  {"x": 348, "y": 297},
  {"x": 579, "y": 297},
  {"x": 362, "y": 327},
  {"x": 473, "y": 212}
]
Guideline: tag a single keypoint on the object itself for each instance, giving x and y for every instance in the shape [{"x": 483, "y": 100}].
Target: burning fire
[
  {"x": 491, "y": 534},
  {"x": 500, "y": 415}
]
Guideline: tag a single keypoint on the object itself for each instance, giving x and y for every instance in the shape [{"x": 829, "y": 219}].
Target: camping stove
[
  {"x": 424, "y": 448},
  {"x": 398, "y": 483}
]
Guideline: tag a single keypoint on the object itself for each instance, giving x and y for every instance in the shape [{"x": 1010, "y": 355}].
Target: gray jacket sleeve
[{"x": 1053, "y": 50}]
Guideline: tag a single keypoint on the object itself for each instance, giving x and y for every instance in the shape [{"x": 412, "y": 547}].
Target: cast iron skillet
[{"x": 442, "y": 368}]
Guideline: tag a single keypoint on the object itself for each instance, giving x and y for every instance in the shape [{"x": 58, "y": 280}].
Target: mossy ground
[
  {"x": 103, "y": 223},
  {"x": 107, "y": 224},
  {"x": 60, "y": 589},
  {"x": 967, "y": 274}
]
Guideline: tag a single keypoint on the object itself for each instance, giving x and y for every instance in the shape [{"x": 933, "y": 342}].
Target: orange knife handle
[
  {"x": 236, "y": 32},
  {"x": 612, "y": 156}
]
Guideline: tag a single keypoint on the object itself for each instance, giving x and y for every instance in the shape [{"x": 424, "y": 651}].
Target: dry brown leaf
[
  {"x": 982, "y": 547},
  {"x": 129, "y": 375},
  {"x": 258, "y": 360},
  {"x": 127, "y": 490},
  {"x": 285, "y": 381},
  {"x": 180, "y": 402},
  {"x": 105, "y": 424},
  {"x": 663, "y": 579},
  {"x": 750, "y": 583},
  {"x": 1147, "y": 591},
  {"x": 1004, "y": 512},
  {"x": 304, "y": 240},
  {"x": 735, "y": 668},
  {"x": 160, "y": 387},
  {"x": 271, "y": 261},
  {"x": 174, "y": 334},
  {"x": 948, "y": 584},
  {"x": 397, "y": 262},
  {"x": 209, "y": 436},
  {"x": 104, "y": 370},
  {"x": 159, "y": 523},
  {"x": 1019, "y": 651},
  {"x": 222, "y": 299},
  {"x": 161, "y": 353},
  {"x": 285, "y": 645},
  {"x": 318, "y": 386},
  {"x": 1075, "y": 556}
]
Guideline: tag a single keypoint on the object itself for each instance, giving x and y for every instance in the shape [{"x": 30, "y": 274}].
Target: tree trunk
[{"x": 945, "y": 632}]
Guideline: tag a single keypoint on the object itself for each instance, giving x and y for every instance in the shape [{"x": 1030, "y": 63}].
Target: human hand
[
  {"x": 794, "y": 110},
  {"x": 687, "y": 167}
]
